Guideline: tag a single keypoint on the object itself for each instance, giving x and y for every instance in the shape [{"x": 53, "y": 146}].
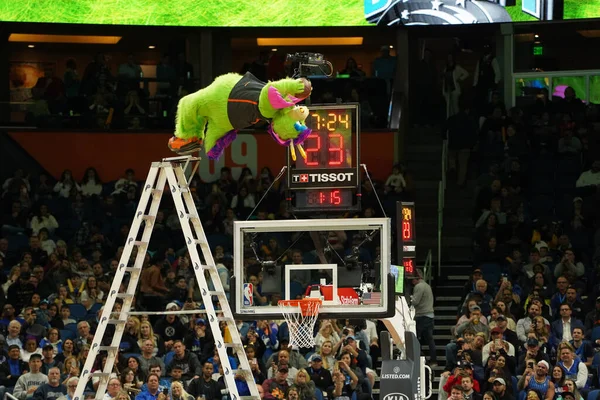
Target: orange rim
[{"x": 308, "y": 306}]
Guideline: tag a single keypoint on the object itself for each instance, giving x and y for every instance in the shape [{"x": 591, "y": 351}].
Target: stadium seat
[
  {"x": 515, "y": 382},
  {"x": 71, "y": 328},
  {"x": 78, "y": 311},
  {"x": 593, "y": 395},
  {"x": 595, "y": 333},
  {"x": 67, "y": 334},
  {"x": 491, "y": 272},
  {"x": 94, "y": 309}
]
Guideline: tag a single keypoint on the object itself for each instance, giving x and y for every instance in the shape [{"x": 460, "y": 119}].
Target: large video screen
[
  {"x": 456, "y": 12},
  {"x": 210, "y": 13}
]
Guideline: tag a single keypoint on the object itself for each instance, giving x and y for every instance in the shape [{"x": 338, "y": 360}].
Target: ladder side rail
[
  {"x": 216, "y": 280},
  {"x": 137, "y": 266},
  {"x": 176, "y": 182},
  {"x": 110, "y": 299}
]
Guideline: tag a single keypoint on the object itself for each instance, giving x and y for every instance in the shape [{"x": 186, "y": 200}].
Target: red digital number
[
  {"x": 406, "y": 230},
  {"x": 312, "y": 153},
  {"x": 333, "y": 149},
  {"x": 335, "y": 198},
  {"x": 408, "y": 265}
]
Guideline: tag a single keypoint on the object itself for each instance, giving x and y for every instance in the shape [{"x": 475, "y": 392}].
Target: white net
[{"x": 301, "y": 318}]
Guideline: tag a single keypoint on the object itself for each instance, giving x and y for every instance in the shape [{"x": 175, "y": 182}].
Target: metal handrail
[
  {"x": 428, "y": 268},
  {"x": 441, "y": 204},
  {"x": 10, "y": 396}
]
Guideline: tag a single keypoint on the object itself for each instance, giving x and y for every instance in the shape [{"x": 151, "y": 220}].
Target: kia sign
[
  {"x": 323, "y": 179},
  {"x": 396, "y": 396}
]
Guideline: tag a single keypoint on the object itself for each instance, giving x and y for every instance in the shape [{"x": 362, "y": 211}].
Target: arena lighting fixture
[
  {"x": 78, "y": 39},
  {"x": 151, "y": 47},
  {"x": 310, "y": 41},
  {"x": 31, "y": 46}
]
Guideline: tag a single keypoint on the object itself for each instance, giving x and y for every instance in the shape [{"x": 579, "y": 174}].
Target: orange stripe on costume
[{"x": 241, "y": 101}]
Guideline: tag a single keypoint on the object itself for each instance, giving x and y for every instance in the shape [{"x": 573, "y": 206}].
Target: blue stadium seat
[
  {"x": 67, "y": 334},
  {"x": 78, "y": 311},
  {"x": 593, "y": 395},
  {"x": 93, "y": 310},
  {"x": 491, "y": 272},
  {"x": 595, "y": 333},
  {"x": 515, "y": 382},
  {"x": 71, "y": 328}
]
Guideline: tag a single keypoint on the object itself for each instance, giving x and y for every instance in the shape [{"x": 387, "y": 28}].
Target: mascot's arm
[
  {"x": 188, "y": 122},
  {"x": 288, "y": 86}
]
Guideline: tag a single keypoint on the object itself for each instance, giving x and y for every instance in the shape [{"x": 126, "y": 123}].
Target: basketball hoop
[{"x": 301, "y": 316}]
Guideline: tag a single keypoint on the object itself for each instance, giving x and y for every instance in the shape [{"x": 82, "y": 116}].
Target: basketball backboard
[{"x": 345, "y": 262}]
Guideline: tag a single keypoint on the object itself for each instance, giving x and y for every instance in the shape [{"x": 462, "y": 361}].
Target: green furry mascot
[{"x": 211, "y": 116}]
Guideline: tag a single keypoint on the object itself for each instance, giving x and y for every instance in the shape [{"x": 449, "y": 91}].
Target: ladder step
[
  {"x": 157, "y": 192},
  {"x": 108, "y": 348},
  {"x": 99, "y": 375},
  {"x": 226, "y": 319},
  {"x": 133, "y": 270},
  {"x": 234, "y": 345},
  {"x": 216, "y": 293},
  {"x": 140, "y": 243},
  {"x": 116, "y": 322},
  {"x": 125, "y": 295}
]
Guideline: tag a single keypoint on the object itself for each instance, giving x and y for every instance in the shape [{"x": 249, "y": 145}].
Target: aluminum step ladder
[{"x": 167, "y": 173}]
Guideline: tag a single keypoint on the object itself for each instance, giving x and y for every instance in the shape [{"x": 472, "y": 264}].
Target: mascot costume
[{"x": 211, "y": 117}]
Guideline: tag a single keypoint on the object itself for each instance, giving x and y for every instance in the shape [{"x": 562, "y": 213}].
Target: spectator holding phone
[{"x": 537, "y": 378}]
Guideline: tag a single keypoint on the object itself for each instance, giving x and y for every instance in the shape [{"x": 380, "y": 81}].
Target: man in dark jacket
[
  {"x": 205, "y": 385},
  {"x": 319, "y": 375},
  {"x": 188, "y": 361},
  {"x": 11, "y": 370}
]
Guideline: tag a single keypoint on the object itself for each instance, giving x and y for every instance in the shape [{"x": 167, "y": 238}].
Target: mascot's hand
[{"x": 306, "y": 89}]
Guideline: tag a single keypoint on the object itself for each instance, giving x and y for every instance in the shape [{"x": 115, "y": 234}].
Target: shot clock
[
  {"x": 328, "y": 178},
  {"x": 407, "y": 242}
]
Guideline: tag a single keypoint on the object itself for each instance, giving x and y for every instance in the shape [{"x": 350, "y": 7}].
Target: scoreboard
[{"x": 328, "y": 179}]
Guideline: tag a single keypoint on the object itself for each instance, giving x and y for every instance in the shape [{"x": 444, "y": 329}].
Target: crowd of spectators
[
  {"x": 106, "y": 96},
  {"x": 60, "y": 245},
  {"x": 529, "y": 321}
]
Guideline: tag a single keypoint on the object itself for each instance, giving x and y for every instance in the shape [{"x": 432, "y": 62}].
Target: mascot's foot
[{"x": 184, "y": 147}]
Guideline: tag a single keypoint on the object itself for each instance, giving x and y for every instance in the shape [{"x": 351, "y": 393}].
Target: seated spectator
[
  {"x": 48, "y": 360},
  {"x": 569, "y": 267},
  {"x": 304, "y": 386},
  {"x": 205, "y": 385},
  {"x": 327, "y": 333},
  {"x": 43, "y": 219},
  {"x": 469, "y": 392},
  {"x": 563, "y": 327},
  {"x": 32, "y": 380},
  {"x": 532, "y": 347},
  {"x": 589, "y": 180},
  {"x": 170, "y": 328},
  {"x": 500, "y": 390},
  {"x": 277, "y": 386},
  {"x": 476, "y": 322},
  {"x": 572, "y": 393},
  {"x": 499, "y": 347},
  {"x": 11, "y": 370},
  {"x": 583, "y": 348},
  {"x": 345, "y": 381},
  {"x": 537, "y": 378},
  {"x": 186, "y": 360},
  {"x": 504, "y": 310},
  {"x": 179, "y": 393},
  {"x": 287, "y": 355},
  {"x": 395, "y": 182},
  {"x": 152, "y": 391},
  {"x": 53, "y": 389},
  {"x": 574, "y": 368},
  {"x": 524, "y": 324},
  {"x": 320, "y": 375},
  {"x": 462, "y": 370}
]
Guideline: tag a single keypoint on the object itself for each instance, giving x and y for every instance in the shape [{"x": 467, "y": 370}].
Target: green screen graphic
[{"x": 211, "y": 13}]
